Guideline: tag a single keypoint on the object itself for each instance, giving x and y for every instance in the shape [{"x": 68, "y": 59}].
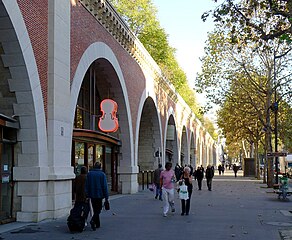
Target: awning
[{"x": 86, "y": 135}]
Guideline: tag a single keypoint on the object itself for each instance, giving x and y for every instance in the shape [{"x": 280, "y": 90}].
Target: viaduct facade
[{"x": 58, "y": 63}]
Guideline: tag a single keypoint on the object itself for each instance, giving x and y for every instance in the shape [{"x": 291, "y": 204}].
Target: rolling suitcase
[{"x": 77, "y": 218}]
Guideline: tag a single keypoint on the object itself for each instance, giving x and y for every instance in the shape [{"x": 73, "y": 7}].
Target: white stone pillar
[
  {"x": 58, "y": 118},
  {"x": 58, "y": 115}
]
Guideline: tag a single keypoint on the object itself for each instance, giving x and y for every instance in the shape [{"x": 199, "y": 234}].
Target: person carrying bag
[{"x": 183, "y": 191}]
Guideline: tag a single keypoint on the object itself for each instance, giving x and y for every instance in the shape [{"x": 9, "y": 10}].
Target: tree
[
  {"x": 239, "y": 120},
  {"x": 250, "y": 68},
  {"x": 255, "y": 20},
  {"x": 141, "y": 17},
  {"x": 211, "y": 129}
]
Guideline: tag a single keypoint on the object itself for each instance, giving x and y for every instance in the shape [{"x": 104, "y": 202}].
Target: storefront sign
[
  {"x": 5, "y": 178},
  {"x": 5, "y": 167},
  {"x": 108, "y": 122}
]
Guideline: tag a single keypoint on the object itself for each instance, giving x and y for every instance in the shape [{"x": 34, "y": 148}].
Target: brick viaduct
[{"x": 47, "y": 50}]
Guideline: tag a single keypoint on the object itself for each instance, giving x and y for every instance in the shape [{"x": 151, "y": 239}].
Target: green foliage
[
  {"x": 284, "y": 125},
  {"x": 138, "y": 14},
  {"x": 209, "y": 125},
  {"x": 141, "y": 17},
  {"x": 240, "y": 78},
  {"x": 255, "y": 20}
]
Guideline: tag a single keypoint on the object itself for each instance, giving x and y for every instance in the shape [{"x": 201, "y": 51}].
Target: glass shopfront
[
  {"x": 86, "y": 151},
  {"x": 90, "y": 144}
]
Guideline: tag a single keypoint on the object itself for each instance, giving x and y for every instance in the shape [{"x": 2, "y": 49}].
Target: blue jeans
[{"x": 158, "y": 191}]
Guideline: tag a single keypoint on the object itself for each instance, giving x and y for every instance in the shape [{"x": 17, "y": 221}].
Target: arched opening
[
  {"x": 198, "y": 152},
  {"x": 193, "y": 151},
  {"x": 149, "y": 145},
  {"x": 91, "y": 143},
  {"x": 18, "y": 107},
  {"x": 184, "y": 148},
  {"x": 171, "y": 149}
]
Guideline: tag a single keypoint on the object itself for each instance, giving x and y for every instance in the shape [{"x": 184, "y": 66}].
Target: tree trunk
[
  {"x": 256, "y": 159},
  {"x": 268, "y": 141}
]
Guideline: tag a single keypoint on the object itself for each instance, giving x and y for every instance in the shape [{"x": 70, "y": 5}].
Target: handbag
[
  {"x": 106, "y": 205},
  {"x": 183, "y": 192}
]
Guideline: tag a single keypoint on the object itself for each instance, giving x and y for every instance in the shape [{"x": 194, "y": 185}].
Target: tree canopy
[
  {"x": 141, "y": 16},
  {"x": 246, "y": 70},
  {"x": 254, "y": 20}
]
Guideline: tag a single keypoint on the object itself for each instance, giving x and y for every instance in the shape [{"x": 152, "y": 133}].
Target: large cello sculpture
[{"x": 108, "y": 122}]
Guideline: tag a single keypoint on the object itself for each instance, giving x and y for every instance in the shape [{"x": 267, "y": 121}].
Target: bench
[{"x": 282, "y": 193}]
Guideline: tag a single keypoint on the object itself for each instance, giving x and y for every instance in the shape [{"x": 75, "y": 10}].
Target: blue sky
[{"x": 187, "y": 32}]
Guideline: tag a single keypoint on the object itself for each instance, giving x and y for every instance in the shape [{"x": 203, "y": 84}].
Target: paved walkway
[{"x": 236, "y": 208}]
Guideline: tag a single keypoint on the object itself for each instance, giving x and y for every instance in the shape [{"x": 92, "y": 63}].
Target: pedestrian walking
[
  {"x": 156, "y": 182},
  {"x": 235, "y": 169},
  {"x": 186, "y": 179},
  {"x": 199, "y": 175},
  {"x": 178, "y": 171},
  {"x": 167, "y": 180},
  {"x": 209, "y": 177},
  {"x": 219, "y": 169},
  {"x": 77, "y": 219},
  {"x": 79, "y": 186},
  {"x": 192, "y": 170},
  {"x": 96, "y": 189}
]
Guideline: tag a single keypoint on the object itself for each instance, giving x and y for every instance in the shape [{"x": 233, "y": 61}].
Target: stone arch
[
  {"x": 149, "y": 140},
  {"x": 171, "y": 139},
  {"x": 25, "y": 103},
  {"x": 193, "y": 150},
  {"x": 184, "y": 147},
  {"x": 198, "y": 147},
  {"x": 203, "y": 152},
  {"x": 24, "y": 81},
  {"x": 102, "y": 55}
]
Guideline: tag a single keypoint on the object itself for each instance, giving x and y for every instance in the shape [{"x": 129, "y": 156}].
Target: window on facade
[
  {"x": 88, "y": 109},
  {"x": 90, "y": 155},
  {"x": 99, "y": 153},
  {"x": 79, "y": 157}
]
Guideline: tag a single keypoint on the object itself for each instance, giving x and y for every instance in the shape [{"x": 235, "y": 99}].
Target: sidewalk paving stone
[{"x": 237, "y": 208}]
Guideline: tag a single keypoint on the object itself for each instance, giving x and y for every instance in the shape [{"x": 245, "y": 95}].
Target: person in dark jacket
[
  {"x": 199, "y": 175},
  {"x": 178, "y": 171},
  {"x": 79, "y": 189},
  {"x": 209, "y": 176},
  {"x": 235, "y": 169},
  {"x": 96, "y": 189},
  {"x": 81, "y": 201},
  {"x": 156, "y": 181}
]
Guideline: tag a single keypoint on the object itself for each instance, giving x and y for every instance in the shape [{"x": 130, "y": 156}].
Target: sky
[{"x": 186, "y": 31}]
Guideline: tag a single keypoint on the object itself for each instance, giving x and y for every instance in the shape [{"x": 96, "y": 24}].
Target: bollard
[
  {"x": 142, "y": 180},
  {"x": 147, "y": 179}
]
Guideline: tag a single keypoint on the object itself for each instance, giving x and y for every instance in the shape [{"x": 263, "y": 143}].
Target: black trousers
[
  {"x": 209, "y": 183},
  {"x": 97, "y": 206},
  {"x": 199, "y": 183},
  {"x": 185, "y": 204}
]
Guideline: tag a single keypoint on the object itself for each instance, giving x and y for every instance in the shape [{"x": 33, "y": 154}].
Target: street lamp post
[
  {"x": 276, "y": 140},
  {"x": 275, "y": 109}
]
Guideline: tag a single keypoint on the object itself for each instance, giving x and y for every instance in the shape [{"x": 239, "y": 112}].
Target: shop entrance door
[{"x": 6, "y": 186}]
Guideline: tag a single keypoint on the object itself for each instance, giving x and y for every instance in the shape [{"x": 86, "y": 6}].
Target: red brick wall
[
  {"x": 35, "y": 15},
  {"x": 85, "y": 30}
]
